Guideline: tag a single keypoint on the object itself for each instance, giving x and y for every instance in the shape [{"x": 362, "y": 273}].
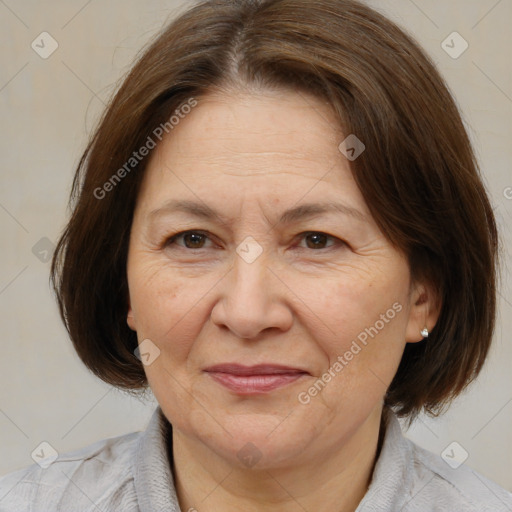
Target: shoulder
[
  {"x": 98, "y": 475},
  {"x": 410, "y": 478},
  {"x": 438, "y": 486}
]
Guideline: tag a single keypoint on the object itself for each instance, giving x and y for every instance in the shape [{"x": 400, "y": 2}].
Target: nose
[{"x": 253, "y": 299}]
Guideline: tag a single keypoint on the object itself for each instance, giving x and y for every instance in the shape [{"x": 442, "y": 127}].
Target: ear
[
  {"x": 424, "y": 310},
  {"x": 130, "y": 318}
]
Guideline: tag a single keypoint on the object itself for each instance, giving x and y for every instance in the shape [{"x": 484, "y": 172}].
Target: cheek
[
  {"x": 360, "y": 327},
  {"x": 345, "y": 308},
  {"x": 169, "y": 308}
]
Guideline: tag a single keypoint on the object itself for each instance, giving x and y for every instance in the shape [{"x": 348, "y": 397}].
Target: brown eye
[
  {"x": 191, "y": 239},
  {"x": 318, "y": 240}
]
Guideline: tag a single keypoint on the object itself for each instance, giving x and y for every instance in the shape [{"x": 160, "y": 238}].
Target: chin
[{"x": 254, "y": 441}]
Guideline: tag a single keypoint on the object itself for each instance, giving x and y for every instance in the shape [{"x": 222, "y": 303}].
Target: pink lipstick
[{"x": 258, "y": 379}]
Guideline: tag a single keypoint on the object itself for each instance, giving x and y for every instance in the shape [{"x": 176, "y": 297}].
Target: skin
[{"x": 250, "y": 156}]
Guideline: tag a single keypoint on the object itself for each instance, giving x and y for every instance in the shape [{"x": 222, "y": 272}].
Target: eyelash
[{"x": 171, "y": 240}]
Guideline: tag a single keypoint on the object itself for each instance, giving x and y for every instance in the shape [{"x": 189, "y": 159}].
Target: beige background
[{"x": 48, "y": 107}]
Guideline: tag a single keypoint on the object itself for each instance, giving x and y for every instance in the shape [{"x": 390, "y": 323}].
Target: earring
[{"x": 424, "y": 331}]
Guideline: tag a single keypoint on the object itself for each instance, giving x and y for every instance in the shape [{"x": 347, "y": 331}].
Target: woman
[{"x": 280, "y": 227}]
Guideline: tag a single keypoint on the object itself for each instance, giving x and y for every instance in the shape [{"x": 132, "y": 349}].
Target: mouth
[{"x": 258, "y": 379}]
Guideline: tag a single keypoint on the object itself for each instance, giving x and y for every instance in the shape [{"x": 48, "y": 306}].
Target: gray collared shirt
[{"x": 132, "y": 473}]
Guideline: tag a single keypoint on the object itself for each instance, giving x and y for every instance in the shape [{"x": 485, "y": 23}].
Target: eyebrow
[{"x": 301, "y": 212}]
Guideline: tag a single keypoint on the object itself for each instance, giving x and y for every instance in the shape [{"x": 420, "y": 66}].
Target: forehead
[
  {"x": 259, "y": 127},
  {"x": 263, "y": 146}
]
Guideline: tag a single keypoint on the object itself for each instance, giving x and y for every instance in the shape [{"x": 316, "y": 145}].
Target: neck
[{"x": 335, "y": 480}]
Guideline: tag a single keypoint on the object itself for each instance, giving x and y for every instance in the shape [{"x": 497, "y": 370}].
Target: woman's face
[{"x": 265, "y": 280}]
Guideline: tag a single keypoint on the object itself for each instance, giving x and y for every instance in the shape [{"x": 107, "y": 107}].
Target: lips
[
  {"x": 257, "y": 379},
  {"x": 259, "y": 369}
]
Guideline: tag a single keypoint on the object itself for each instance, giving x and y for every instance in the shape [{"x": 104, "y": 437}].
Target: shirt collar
[
  {"x": 153, "y": 478},
  {"x": 156, "y": 492},
  {"x": 393, "y": 471}
]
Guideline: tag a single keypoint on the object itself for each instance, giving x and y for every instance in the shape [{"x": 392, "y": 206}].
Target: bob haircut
[{"x": 418, "y": 175}]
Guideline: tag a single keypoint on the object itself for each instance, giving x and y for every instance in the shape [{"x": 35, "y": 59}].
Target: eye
[
  {"x": 192, "y": 239},
  {"x": 318, "y": 240}
]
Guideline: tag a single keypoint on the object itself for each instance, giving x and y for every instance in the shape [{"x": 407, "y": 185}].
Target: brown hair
[{"x": 418, "y": 174}]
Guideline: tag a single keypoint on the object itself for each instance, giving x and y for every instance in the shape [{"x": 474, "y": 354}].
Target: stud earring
[{"x": 424, "y": 332}]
